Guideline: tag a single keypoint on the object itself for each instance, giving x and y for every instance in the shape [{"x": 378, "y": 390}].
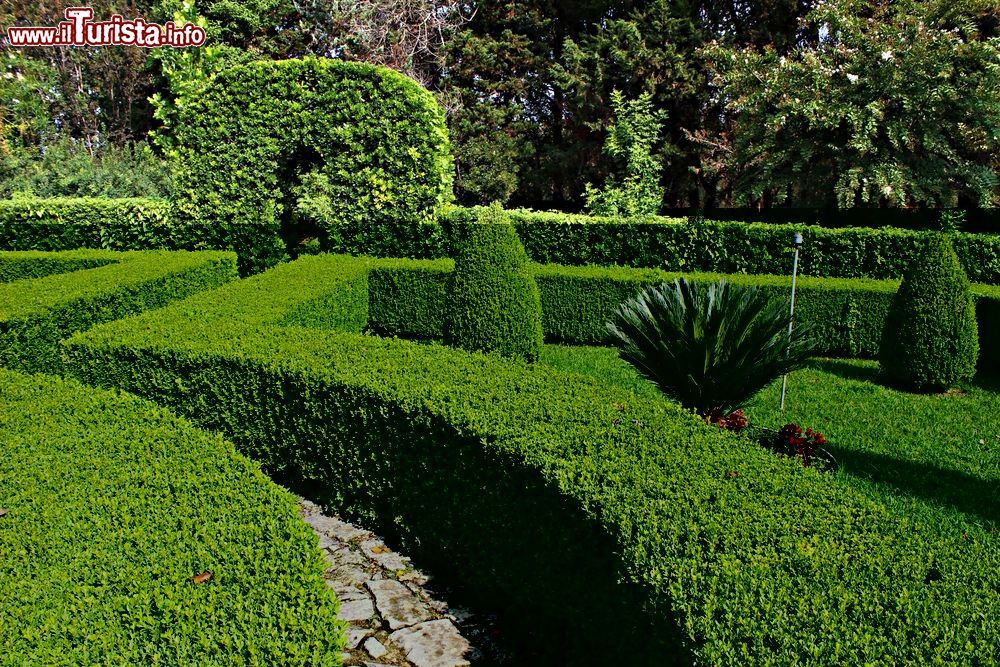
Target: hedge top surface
[
  {"x": 113, "y": 505},
  {"x": 38, "y": 264},
  {"x": 115, "y": 272},
  {"x": 759, "y": 560},
  {"x": 377, "y": 137}
]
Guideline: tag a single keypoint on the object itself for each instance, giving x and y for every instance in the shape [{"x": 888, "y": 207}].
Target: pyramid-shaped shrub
[
  {"x": 931, "y": 340},
  {"x": 495, "y": 305}
]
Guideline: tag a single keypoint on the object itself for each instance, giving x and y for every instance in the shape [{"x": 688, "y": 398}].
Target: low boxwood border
[
  {"x": 543, "y": 490},
  {"x": 100, "y": 223},
  {"x": 35, "y": 314},
  {"x": 112, "y": 506},
  {"x": 408, "y": 298}
]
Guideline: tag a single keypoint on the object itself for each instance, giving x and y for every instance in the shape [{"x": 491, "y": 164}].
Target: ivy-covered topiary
[
  {"x": 930, "y": 340},
  {"x": 373, "y": 139},
  {"x": 495, "y": 304}
]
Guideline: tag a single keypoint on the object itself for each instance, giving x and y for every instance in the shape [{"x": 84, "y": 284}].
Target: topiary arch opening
[{"x": 376, "y": 142}]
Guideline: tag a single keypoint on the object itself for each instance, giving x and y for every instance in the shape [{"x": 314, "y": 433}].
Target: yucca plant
[{"x": 710, "y": 347}]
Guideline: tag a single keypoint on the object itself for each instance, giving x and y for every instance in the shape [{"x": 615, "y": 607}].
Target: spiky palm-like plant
[{"x": 710, "y": 347}]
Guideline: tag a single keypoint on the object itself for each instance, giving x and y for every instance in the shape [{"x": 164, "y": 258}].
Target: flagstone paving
[{"x": 394, "y": 620}]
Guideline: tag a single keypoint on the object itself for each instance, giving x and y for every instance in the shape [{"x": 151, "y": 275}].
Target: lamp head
[{"x": 797, "y": 239}]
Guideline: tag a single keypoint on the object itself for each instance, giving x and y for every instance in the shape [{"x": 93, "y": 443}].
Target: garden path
[{"x": 393, "y": 617}]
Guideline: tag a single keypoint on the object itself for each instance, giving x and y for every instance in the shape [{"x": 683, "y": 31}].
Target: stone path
[{"x": 393, "y": 618}]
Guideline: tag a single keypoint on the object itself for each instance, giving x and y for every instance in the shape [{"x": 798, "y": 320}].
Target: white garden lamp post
[{"x": 797, "y": 242}]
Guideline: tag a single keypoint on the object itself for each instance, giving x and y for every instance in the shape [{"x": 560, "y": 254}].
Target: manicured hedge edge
[
  {"x": 127, "y": 224},
  {"x": 38, "y": 264},
  {"x": 674, "y": 244},
  {"x": 540, "y": 489},
  {"x": 36, "y": 314},
  {"x": 408, "y": 298},
  {"x": 113, "y": 505}
]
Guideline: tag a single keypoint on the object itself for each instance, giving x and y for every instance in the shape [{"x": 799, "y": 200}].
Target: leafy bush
[
  {"x": 112, "y": 506},
  {"x": 931, "y": 340},
  {"x": 369, "y": 141},
  {"x": 709, "y": 347},
  {"x": 633, "y": 136},
  {"x": 605, "y": 519},
  {"x": 494, "y": 304},
  {"x": 68, "y": 169}
]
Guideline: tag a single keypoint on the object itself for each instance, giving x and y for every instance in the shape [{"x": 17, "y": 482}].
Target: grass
[{"x": 931, "y": 454}]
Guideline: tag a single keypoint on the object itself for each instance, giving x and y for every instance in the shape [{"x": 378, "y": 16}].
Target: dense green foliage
[
  {"x": 454, "y": 450},
  {"x": 123, "y": 224},
  {"x": 67, "y": 169},
  {"x": 635, "y": 188},
  {"x": 679, "y": 245},
  {"x": 709, "y": 346},
  {"x": 493, "y": 301},
  {"x": 528, "y": 88},
  {"x": 112, "y": 505},
  {"x": 35, "y": 314},
  {"x": 409, "y": 298},
  {"x": 895, "y": 104},
  {"x": 931, "y": 338},
  {"x": 366, "y": 142}
]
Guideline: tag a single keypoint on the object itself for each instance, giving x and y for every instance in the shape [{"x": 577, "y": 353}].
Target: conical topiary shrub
[
  {"x": 495, "y": 304},
  {"x": 931, "y": 340}
]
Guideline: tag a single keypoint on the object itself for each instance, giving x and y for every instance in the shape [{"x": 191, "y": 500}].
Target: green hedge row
[
  {"x": 665, "y": 243},
  {"x": 112, "y": 506},
  {"x": 621, "y": 526},
  {"x": 38, "y": 264},
  {"x": 408, "y": 298},
  {"x": 675, "y": 244},
  {"x": 36, "y": 314},
  {"x": 126, "y": 224}
]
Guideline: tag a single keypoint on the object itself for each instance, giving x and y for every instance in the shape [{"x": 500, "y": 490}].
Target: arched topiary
[
  {"x": 495, "y": 305},
  {"x": 374, "y": 138},
  {"x": 930, "y": 340}
]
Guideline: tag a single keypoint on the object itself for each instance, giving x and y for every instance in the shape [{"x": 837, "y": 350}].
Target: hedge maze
[
  {"x": 645, "y": 535},
  {"x": 110, "y": 505}
]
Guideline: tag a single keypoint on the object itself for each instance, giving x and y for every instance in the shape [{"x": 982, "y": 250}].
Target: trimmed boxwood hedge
[
  {"x": 674, "y": 244},
  {"x": 126, "y": 224},
  {"x": 112, "y": 506},
  {"x": 408, "y": 298},
  {"x": 542, "y": 490},
  {"x": 378, "y": 139},
  {"x": 35, "y": 314}
]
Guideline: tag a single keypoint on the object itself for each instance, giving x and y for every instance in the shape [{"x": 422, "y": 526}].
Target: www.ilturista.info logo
[{"x": 79, "y": 30}]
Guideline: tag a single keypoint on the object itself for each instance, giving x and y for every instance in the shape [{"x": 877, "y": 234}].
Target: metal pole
[{"x": 797, "y": 239}]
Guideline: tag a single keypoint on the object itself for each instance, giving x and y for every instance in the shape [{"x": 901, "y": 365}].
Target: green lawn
[{"x": 918, "y": 453}]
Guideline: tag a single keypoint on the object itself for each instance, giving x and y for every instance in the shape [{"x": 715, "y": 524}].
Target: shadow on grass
[
  {"x": 968, "y": 494},
  {"x": 987, "y": 379},
  {"x": 846, "y": 370}
]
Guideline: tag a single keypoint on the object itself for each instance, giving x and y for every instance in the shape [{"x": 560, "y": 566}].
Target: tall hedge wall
[
  {"x": 95, "y": 286},
  {"x": 111, "y": 506},
  {"x": 377, "y": 137},
  {"x": 543, "y": 490}
]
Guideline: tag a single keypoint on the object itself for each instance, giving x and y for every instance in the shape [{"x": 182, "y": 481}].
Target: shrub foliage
[
  {"x": 368, "y": 145},
  {"x": 645, "y": 534},
  {"x": 931, "y": 338},
  {"x": 709, "y": 346},
  {"x": 495, "y": 304}
]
